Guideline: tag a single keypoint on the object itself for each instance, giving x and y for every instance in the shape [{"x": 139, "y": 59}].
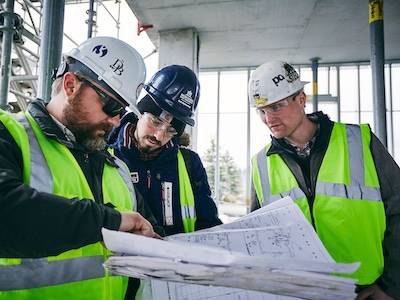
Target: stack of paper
[{"x": 271, "y": 251}]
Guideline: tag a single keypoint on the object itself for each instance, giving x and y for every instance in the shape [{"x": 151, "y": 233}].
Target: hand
[
  {"x": 134, "y": 222},
  {"x": 373, "y": 292}
]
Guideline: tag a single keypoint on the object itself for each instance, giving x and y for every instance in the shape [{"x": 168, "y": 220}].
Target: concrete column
[
  {"x": 378, "y": 67},
  {"x": 181, "y": 47},
  {"x": 50, "y": 44},
  {"x": 8, "y": 33}
]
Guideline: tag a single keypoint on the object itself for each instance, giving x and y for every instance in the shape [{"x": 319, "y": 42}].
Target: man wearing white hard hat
[
  {"x": 59, "y": 186},
  {"x": 340, "y": 175}
]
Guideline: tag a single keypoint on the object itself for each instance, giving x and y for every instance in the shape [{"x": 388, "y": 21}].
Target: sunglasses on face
[
  {"x": 277, "y": 107},
  {"x": 111, "y": 107},
  {"x": 158, "y": 124}
]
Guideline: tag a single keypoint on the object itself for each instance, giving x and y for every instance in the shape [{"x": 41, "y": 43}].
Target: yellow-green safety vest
[
  {"x": 188, "y": 215},
  {"x": 348, "y": 210},
  {"x": 49, "y": 166},
  {"x": 186, "y": 196}
]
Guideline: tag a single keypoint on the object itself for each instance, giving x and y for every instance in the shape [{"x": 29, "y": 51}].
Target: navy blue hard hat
[{"x": 176, "y": 90}]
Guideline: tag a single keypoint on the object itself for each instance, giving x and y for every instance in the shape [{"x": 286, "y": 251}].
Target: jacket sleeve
[
  {"x": 144, "y": 209},
  {"x": 206, "y": 210},
  {"x": 254, "y": 203},
  {"x": 36, "y": 224},
  {"x": 389, "y": 174}
]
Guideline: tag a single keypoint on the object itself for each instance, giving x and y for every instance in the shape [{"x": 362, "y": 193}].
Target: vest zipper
[
  {"x": 86, "y": 157},
  {"x": 312, "y": 189},
  {"x": 148, "y": 179}
]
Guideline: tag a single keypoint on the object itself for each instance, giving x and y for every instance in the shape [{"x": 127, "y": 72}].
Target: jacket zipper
[
  {"x": 148, "y": 179},
  {"x": 86, "y": 158},
  {"x": 312, "y": 191}
]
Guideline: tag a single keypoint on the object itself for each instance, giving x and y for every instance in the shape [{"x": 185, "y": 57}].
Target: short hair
[{"x": 56, "y": 86}]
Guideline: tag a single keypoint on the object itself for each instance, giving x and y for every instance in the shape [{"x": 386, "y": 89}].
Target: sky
[{"x": 75, "y": 26}]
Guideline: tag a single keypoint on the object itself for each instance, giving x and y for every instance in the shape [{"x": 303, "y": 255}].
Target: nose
[
  {"x": 269, "y": 118},
  {"x": 159, "y": 133},
  {"x": 114, "y": 121}
]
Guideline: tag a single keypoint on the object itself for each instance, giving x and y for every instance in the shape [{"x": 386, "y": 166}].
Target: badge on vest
[
  {"x": 166, "y": 197},
  {"x": 135, "y": 177}
]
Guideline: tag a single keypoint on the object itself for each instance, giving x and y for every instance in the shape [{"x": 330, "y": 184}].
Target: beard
[
  {"x": 141, "y": 144},
  {"x": 149, "y": 149},
  {"x": 86, "y": 133}
]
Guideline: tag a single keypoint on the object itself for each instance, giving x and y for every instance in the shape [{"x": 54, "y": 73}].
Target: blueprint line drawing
[{"x": 272, "y": 253}]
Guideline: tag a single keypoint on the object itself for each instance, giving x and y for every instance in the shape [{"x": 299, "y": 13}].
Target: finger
[
  {"x": 364, "y": 294},
  {"x": 157, "y": 236}
]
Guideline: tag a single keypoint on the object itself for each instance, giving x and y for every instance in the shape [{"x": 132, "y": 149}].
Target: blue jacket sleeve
[{"x": 206, "y": 210}]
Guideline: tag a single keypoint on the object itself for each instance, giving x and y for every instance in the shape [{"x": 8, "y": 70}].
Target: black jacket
[
  {"x": 306, "y": 171},
  {"x": 35, "y": 224},
  {"x": 150, "y": 175}
]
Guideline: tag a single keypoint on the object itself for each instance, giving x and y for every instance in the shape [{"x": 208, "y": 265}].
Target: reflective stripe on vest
[
  {"x": 186, "y": 196},
  {"x": 348, "y": 209},
  {"x": 26, "y": 275},
  {"x": 41, "y": 179},
  {"x": 75, "y": 267},
  {"x": 125, "y": 174},
  {"x": 357, "y": 189}
]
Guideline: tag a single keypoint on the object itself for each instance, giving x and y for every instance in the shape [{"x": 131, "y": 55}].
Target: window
[{"x": 230, "y": 129}]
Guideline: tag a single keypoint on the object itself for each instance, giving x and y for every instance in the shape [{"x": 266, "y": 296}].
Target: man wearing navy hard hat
[{"x": 171, "y": 178}]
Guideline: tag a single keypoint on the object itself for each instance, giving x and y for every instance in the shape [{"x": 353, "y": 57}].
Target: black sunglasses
[{"x": 111, "y": 106}]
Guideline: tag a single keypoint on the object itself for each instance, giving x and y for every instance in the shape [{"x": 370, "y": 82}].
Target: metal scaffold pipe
[
  {"x": 50, "y": 44},
  {"x": 90, "y": 20},
  {"x": 314, "y": 67},
  {"x": 377, "y": 68},
  {"x": 8, "y": 33}
]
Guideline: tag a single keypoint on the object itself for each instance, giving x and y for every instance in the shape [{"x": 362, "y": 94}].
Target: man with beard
[
  {"x": 171, "y": 179},
  {"x": 59, "y": 186}
]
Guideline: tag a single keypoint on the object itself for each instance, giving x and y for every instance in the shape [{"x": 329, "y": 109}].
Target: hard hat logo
[
  {"x": 113, "y": 64},
  {"x": 176, "y": 90},
  {"x": 260, "y": 101},
  {"x": 100, "y": 49},
  {"x": 272, "y": 82},
  {"x": 291, "y": 73},
  {"x": 186, "y": 99},
  {"x": 278, "y": 79},
  {"x": 118, "y": 66}
]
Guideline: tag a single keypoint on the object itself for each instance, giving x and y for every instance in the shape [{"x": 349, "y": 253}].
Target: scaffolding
[{"x": 31, "y": 34}]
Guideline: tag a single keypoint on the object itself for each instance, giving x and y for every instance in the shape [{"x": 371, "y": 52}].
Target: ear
[
  {"x": 302, "y": 98},
  {"x": 71, "y": 84}
]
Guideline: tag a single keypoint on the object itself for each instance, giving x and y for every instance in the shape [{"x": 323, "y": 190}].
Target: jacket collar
[
  {"x": 279, "y": 146},
  {"x": 122, "y": 137},
  {"x": 38, "y": 111}
]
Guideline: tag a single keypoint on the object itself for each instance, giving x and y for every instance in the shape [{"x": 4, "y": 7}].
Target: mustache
[
  {"x": 107, "y": 128},
  {"x": 153, "y": 139}
]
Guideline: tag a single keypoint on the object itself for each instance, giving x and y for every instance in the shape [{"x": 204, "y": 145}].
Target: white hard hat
[
  {"x": 272, "y": 82},
  {"x": 115, "y": 63}
]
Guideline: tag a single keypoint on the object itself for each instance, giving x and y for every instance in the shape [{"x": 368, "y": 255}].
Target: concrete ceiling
[{"x": 236, "y": 33}]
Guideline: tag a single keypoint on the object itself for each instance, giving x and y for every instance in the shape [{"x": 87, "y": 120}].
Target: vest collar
[{"x": 38, "y": 111}]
